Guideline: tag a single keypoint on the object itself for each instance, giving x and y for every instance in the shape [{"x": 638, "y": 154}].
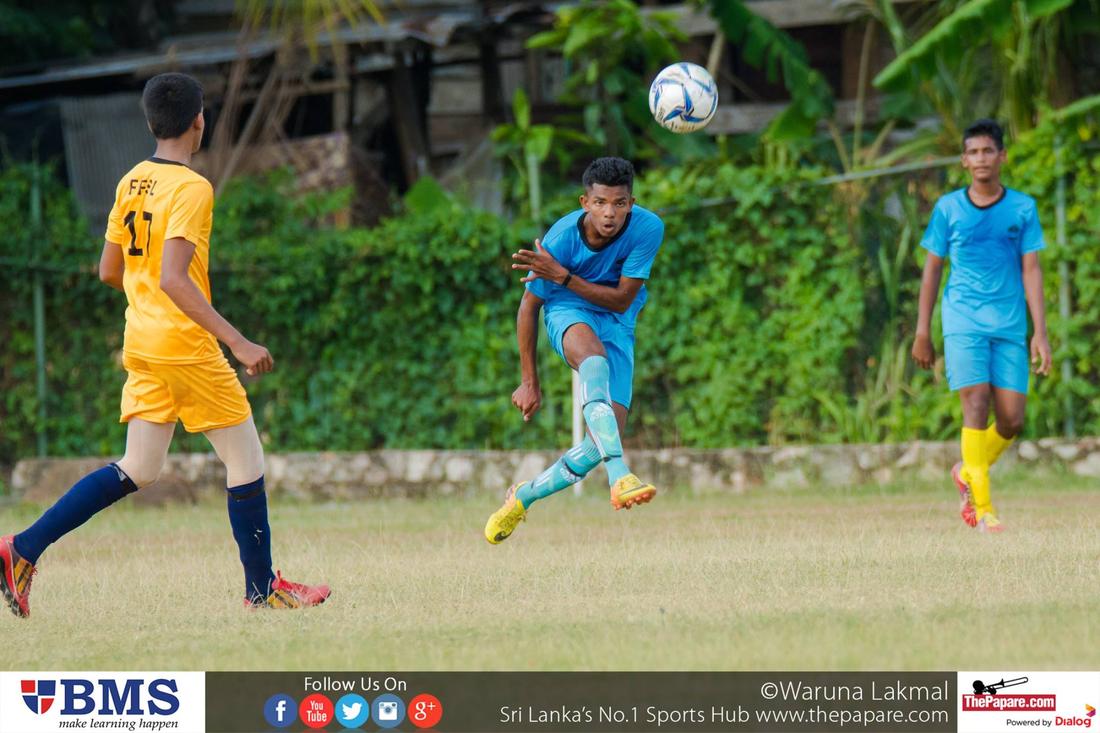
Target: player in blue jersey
[
  {"x": 588, "y": 273},
  {"x": 992, "y": 236}
]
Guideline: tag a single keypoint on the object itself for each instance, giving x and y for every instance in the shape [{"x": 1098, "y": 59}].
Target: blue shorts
[
  {"x": 618, "y": 342},
  {"x": 972, "y": 360}
]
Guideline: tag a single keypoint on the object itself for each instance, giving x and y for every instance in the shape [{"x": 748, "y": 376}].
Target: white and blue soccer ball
[{"x": 683, "y": 97}]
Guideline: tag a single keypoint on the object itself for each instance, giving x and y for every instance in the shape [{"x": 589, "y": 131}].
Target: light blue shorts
[
  {"x": 972, "y": 360},
  {"x": 618, "y": 341}
]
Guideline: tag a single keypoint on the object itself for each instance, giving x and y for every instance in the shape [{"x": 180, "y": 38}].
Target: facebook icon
[{"x": 280, "y": 710}]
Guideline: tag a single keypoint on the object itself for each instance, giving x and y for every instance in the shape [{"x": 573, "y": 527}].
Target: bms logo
[
  {"x": 38, "y": 694},
  {"x": 103, "y": 697}
]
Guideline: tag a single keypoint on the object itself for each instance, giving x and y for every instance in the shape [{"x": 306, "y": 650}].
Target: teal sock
[
  {"x": 595, "y": 375},
  {"x": 566, "y": 471}
]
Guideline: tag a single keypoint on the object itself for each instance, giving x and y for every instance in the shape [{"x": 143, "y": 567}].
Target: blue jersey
[
  {"x": 629, "y": 254},
  {"x": 985, "y": 288}
]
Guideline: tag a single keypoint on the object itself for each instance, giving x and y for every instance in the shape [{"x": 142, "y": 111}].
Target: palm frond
[
  {"x": 769, "y": 48},
  {"x": 305, "y": 17},
  {"x": 950, "y": 38},
  {"x": 1083, "y": 106}
]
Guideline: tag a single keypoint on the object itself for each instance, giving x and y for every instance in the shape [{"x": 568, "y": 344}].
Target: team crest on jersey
[{"x": 39, "y": 694}]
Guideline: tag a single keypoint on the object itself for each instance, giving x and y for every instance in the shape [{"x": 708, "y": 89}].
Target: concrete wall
[{"x": 420, "y": 473}]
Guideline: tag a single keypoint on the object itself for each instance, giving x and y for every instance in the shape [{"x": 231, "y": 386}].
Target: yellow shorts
[{"x": 205, "y": 396}]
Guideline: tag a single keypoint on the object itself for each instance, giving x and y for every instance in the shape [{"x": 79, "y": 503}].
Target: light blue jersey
[
  {"x": 629, "y": 254},
  {"x": 985, "y": 288}
]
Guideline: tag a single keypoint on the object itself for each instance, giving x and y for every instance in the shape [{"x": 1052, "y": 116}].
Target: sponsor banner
[
  {"x": 999, "y": 700},
  {"x": 491, "y": 702},
  {"x": 559, "y": 702},
  {"x": 141, "y": 702}
]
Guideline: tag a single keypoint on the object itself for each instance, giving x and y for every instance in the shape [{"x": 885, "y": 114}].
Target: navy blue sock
[
  {"x": 248, "y": 517},
  {"x": 91, "y": 494}
]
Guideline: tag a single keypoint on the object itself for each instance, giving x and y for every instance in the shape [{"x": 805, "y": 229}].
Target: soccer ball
[{"x": 683, "y": 97}]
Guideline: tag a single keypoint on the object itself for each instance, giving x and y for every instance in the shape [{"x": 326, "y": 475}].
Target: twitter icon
[{"x": 352, "y": 711}]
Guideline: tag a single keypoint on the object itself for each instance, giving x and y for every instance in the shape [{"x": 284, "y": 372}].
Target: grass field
[{"x": 881, "y": 577}]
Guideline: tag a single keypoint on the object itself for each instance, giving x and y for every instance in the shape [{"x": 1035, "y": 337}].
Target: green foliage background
[
  {"x": 33, "y": 32},
  {"x": 780, "y": 314}
]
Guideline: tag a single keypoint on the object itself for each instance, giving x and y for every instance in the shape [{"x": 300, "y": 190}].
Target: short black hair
[
  {"x": 171, "y": 102},
  {"x": 988, "y": 128},
  {"x": 609, "y": 172}
]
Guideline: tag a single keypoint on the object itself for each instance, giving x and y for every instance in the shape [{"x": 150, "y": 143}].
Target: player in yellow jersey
[{"x": 157, "y": 250}]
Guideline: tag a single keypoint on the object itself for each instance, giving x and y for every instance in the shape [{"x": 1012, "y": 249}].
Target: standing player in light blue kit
[
  {"x": 992, "y": 236},
  {"x": 589, "y": 272}
]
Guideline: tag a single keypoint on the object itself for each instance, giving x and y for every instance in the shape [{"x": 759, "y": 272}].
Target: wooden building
[{"x": 380, "y": 104}]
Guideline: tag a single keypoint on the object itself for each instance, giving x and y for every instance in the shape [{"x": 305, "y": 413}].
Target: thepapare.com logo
[
  {"x": 76, "y": 696},
  {"x": 987, "y": 698}
]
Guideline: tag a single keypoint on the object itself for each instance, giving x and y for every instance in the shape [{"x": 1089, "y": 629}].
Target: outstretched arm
[
  {"x": 1033, "y": 291},
  {"x": 528, "y": 396},
  {"x": 923, "y": 352},
  {"x": 178, "y": 286},
  {"x": 543, "y": 265}
]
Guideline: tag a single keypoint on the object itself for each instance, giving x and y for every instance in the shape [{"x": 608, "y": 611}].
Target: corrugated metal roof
[
  {"x": 208, "y": 49},
  {"x": 435, "y": 27},
  {"x": 176, "y": 57}
]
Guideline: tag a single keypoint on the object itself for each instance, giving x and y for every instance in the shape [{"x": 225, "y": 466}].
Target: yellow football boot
[
  {"x": 504, "y": 520},
  {"x": 629, "y": 490},
  {"x": 990, "y": 523}
]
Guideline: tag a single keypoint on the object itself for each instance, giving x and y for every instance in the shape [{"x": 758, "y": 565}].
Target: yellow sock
[
  {"x": 995, "y": 444},
  {"x": 975, "y": 455}
]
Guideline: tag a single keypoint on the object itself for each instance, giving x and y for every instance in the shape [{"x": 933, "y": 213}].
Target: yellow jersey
[{"x": 156, "y": 201}]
